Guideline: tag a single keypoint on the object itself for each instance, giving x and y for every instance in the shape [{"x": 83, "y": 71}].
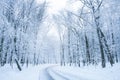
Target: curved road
[{"x": 49, "y": 74}]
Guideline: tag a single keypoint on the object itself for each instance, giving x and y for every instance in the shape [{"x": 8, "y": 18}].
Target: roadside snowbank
[
  {"x": 90, "y": 72},
  {"x": 30, "y": 73},
  {"x": 60, "y": 73}
]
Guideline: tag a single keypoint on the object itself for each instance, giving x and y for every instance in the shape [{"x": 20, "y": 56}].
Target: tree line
[
  {"x": 91, "y": 35},
  {"x": 20, "y": 21}
]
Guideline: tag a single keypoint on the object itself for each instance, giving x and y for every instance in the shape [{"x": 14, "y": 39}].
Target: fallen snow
[
  {"x": 30, "y": 73},
  {"x": 90, "y": 72},
  {"x": 55, "y": 72}
]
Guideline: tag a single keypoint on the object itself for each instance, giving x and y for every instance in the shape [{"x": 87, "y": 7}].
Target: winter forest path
[
  {"x": 45, "y": 75},
  {"x": 49, "y": 73}
]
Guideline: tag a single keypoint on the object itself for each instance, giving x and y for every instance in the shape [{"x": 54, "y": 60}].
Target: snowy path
[
  {"x": 45, "y": 75},
  {"x": 56, "y": 72},
  {"x": 50, "y": 74}
]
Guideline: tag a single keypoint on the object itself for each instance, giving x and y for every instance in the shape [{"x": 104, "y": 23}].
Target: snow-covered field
[
  {"x": 30, "y": 73},
  {"x": 56, "y": 72},
  {"x": 90, "y": 72}
]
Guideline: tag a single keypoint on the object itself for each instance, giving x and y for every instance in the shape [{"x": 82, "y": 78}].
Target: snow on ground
[
  {"x": 7, "y": 73},
  {"x": 30, "y": 73},
  {"x": 55, "y": 72},
  {"x": 90, "y": 72}
]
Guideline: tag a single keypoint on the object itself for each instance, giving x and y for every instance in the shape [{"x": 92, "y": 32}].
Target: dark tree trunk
[
  {"x": 87, "y": 50},
  {"x": 18, "y": 65}
]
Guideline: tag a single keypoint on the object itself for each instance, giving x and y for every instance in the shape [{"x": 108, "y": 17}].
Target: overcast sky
[{"x": 54, "y": 6}]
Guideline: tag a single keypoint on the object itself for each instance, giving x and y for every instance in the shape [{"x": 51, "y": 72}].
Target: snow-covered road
[
  {"x": 57, "y": 72},
  {"x": 54, "y": 74},
  {"x": 50, "y": 74},
  {"x": 45, "y": 74}
]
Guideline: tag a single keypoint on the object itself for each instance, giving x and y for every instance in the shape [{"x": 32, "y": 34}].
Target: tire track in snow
[
  {"x": 45, "y": 75},
  {"x": 50, "y": 74},
  {"x": 59, "y": 76},
  {"x": 55, "y": 74},
  {"x": 68, "y": 76}
]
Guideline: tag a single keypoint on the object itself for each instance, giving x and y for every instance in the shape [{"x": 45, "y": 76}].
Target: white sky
[{"x": 54, "y": 6}]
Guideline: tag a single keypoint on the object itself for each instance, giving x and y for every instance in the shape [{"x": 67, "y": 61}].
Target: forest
[{"x": 87, "y": 32}]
